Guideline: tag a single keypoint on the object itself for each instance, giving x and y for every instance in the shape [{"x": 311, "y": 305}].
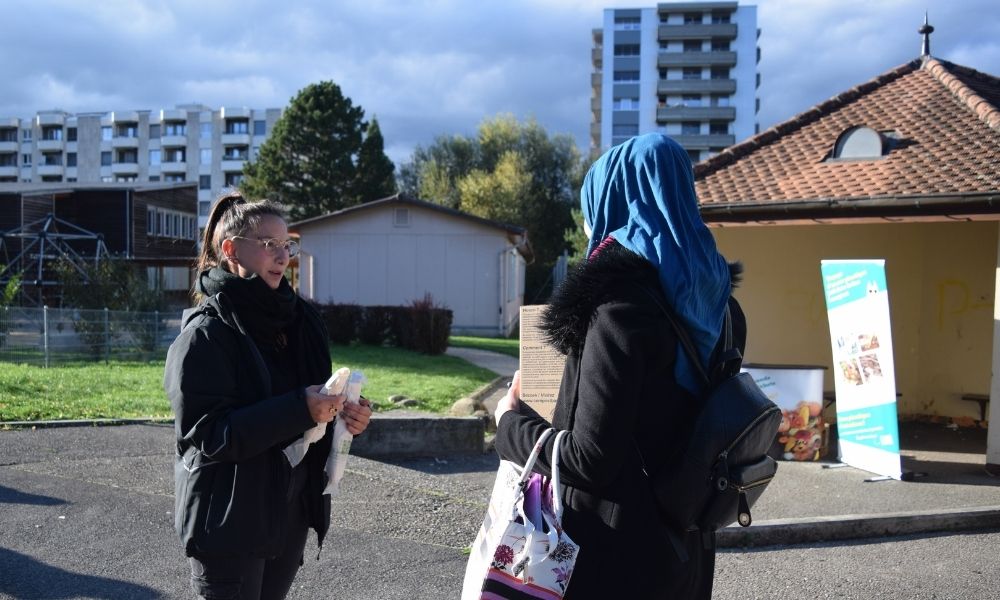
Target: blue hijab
[{"x": 642, "y": 193}]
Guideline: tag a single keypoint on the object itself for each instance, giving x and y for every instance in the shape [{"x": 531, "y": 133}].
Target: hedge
[{"x": 420, "y": 326}]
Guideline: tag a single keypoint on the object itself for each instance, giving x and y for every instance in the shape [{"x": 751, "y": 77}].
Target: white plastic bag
[{"x": 336, "y": 462}]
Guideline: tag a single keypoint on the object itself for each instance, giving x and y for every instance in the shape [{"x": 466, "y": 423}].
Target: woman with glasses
[{"x": 244, "y": 379}]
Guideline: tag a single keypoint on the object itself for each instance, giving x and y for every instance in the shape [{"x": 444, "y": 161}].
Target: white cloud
[{"x": 436, "y": 67}]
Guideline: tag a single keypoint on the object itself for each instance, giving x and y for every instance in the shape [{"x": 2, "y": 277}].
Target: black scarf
[
  {"x": 275, "y": 318},
  {"x": 265, "y": 313}
]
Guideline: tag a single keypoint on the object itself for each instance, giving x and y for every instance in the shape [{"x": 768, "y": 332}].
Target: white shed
[{"x": 393, "y": 251}]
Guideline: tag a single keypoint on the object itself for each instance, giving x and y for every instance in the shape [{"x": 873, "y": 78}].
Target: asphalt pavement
[{"x": 87, "y": 512}]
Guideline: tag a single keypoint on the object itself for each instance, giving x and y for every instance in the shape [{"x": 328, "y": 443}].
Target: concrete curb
[
  {"x": 407, "y": 437},
  {"x": 84, "y": 423},
  {"x": 487, "y": 390},
  {"x": 850, "y": 527}
]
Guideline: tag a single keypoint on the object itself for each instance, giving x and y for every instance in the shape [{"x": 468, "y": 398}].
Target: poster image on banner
[
  {"x": 798, "y": 392},
  {"x": 857, "y": 302}
]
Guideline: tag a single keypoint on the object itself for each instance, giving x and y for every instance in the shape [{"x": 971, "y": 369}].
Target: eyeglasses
[{"x": 274, "y": 245}]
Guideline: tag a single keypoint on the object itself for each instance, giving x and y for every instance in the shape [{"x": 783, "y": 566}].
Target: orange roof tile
[{"x": 947, "y": 156}]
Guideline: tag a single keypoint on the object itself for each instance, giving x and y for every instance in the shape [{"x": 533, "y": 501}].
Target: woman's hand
[
  {"x": 323, "y": 408},
  {"x": 511, "y": 401},
  {"x": 356, "y": 416}
]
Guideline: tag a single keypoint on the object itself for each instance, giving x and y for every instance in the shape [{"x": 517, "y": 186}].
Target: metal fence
[{"x": 51, "y": 336}]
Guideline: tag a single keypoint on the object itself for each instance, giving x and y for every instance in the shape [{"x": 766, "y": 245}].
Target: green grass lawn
[
  {"x": 134, "y": 389},
  {"x": 501, "y": 345}
]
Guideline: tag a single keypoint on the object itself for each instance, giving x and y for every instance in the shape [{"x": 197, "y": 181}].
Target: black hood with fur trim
[{"x": 574, "y": 303}]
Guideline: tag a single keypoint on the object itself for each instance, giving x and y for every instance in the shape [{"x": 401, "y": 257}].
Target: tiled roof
[{"x": 946, "y": 117}]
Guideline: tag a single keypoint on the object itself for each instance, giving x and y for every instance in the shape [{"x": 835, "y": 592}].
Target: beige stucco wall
[{"x": 941, "y": 292}]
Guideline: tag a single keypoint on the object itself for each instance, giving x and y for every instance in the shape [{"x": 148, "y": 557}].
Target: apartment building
[
  {"x": 189, "y": 143},
  {"x": 686, "y": 69}
]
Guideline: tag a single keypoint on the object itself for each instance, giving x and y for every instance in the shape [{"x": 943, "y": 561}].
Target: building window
[
  {"x": 204, "y": 182},
  {"x": 26, "y": 135},
  {"x": 692, "y": 18},
  {"x": 154, "y": 131},
  {"x": 260, "y": 127},
  {"x": 626, "y": 76},
  {"x": 401, "y": 217},
  {"x": 71, "y": 179},
  {"x": 203, "y": 207},
  {"x": 690, "y": 128},
  {"x": 719, "y": 100},
  {"x": 8, "y": 160},
  {"x": 691, "y": 100},
  {"x": 127, "y": 131},
  {"x": 127, "y": 157},
  {"x": 206, "y": 131},
  {"x": 626, "y": 104},
  {"x": 718, "y": 128},
  {"x": 154, "y": 157},
  {"x": 624, "y": 130},
  {"x": 694, "y": 155},
  {"x": 154, "y": 178},
  {"x": 52, "y": 159},
  {"x": 234, "y": 179},
  {"x": 173, "y": 177},
  {"x": 718, "y": 18},
  {"x": 720, "y": 72},
  {"x": 626, "y": 49},
  {"x": 237, "y": 126},
  {"x": 150, "y": 220},
  {"x": 176, "y": 128},
  {"x": 235, "y": 153},
  {"x": 106, "y": 133},
  {"x": 205, "y": 156},
  {"x": 52, "y": 134},
  {"x": 691, "y": 73},
  {"x": 8, "y": 135},
  {"x": 124, "y": 178},
  {"x": 26, "y": 160},
  {"x": 175, "y": 155},
  {"x": 627, "y": 23},
  {"x": 51, "y": 178},
  {"x": 107, "y": 179},
  {"x": 720, "y": 45},
  {"x": 71, "y": 134},
  {"x": 692, "y": 46}
]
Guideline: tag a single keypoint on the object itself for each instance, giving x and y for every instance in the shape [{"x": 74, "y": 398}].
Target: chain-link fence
[{"x": 51, "y": 336}]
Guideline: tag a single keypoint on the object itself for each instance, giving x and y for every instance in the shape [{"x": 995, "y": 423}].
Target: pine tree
[{"x": 375, "y": 172}]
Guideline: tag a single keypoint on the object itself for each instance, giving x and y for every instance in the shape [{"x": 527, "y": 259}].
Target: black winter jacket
[
  {"x": 231, "y": 476},
  {"x": 618, "y": 395}
]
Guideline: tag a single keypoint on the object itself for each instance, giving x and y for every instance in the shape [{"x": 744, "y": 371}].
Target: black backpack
[{"x": 724, "y": 467}]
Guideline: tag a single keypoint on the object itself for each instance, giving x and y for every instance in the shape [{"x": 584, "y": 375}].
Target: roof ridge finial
[{"x": 926, "y": 30}]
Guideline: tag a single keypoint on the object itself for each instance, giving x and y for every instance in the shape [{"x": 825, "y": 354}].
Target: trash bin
[{"x": 798, "y": 392}]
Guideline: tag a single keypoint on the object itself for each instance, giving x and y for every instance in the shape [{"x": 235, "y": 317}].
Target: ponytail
[{"x": 231, "y": 216}]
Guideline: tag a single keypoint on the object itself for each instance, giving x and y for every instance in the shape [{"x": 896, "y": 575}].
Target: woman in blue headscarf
[{"x": 629, "y": 394}]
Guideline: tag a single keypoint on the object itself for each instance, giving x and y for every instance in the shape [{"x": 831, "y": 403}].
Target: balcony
[
  {"x": 235, "y": 139},
  {"x": 124, "y": 116},
  {"x": 696, "y": 59},
  {"x": 50, "y": 170},
  {"x": 51, "y": 145},
  {"x": 229, "y": 165},
  {"x": 234, "y": 112},
  {"x": 125, "y": 168},
  {"x": 9, "y": 147},
  {"x": 595, "y": 79},
  {"x": 696, "y": 86},
  {"x": 175, "y": 114},
  {"x": 596, "y": 56},
  {"x": 124, "y": 142},
  {"x": 44, "y": 119},
  {"x": 10, "y": 123},
  {"x": 8, "y": 171},
  {"x": 673, "y": 114},
  {"x": 173, "y": 167},
  {"x": 595, "y": 104},
  {"x": 698, "y": 31},
  {"x": 704, "y": 142},
  {"x": 595, "y": 129},
  {"x": 173, "y": 141}
]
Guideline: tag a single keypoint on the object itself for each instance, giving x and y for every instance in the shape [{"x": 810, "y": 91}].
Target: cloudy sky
[{"x": 432, "y": 67}]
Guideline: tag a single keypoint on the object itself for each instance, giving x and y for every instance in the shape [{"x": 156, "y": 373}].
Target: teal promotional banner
[{"x": 857, "y": 302}]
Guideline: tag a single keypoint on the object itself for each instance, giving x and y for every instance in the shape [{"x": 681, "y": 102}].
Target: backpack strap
[{"x": 729, "y": 357}]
